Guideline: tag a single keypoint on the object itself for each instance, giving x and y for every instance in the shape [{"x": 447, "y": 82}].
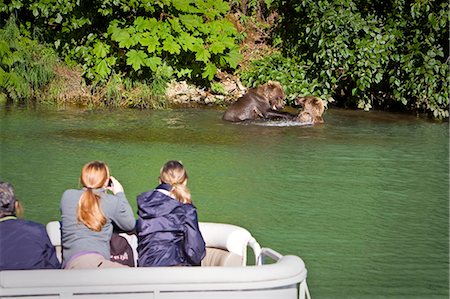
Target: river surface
[{"x": 362, "y": 199}]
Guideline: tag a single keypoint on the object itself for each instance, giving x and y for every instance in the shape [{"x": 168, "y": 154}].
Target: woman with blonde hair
[
  {"x": 167, "y": 227},
  {"x": 87, "y": 218}
]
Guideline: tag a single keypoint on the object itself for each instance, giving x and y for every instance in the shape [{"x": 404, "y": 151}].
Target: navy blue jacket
[
  {"x": 25, "y": 245},
  {"x": 168, "y": 233}
]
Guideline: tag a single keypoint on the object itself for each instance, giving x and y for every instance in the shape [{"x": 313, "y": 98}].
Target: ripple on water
[{"x": 282, "y": 123}]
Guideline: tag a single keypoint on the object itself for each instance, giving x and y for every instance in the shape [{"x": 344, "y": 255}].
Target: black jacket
[
  {"x": 168, "y": 233},
  {"x": 25, "y": 245}
]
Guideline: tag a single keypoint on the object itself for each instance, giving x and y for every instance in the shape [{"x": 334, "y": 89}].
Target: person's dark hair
[{"x": 9, "y": 205}]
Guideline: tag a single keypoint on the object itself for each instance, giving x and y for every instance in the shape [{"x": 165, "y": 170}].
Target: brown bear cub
[{"x": 313, "y": 108}]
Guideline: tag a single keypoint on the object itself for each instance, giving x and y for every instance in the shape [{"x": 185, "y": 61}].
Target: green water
[{"x": 363, "y": 199}]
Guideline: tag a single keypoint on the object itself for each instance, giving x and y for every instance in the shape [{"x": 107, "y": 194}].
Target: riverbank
[{"x": 68, "y": 88}]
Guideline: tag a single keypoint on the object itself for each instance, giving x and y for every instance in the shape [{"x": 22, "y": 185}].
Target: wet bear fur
[
  {"x": 259, "y": 102},
  {"x": 313, "y": 108}
]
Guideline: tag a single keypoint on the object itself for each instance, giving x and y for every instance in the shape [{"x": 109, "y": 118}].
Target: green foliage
[
  {"x": 366, "y": 53},
  {"x": 120, "y": 91},
  {"x": 363, "y": 53},
  {"x": 421, "y": 67},
  {"x": 251, "y": 7},
  {"x": 25, "y": 66},
  {"x": 217, "y": 88},
  {"x": 290, "y": 72},
  {"x": 137, "y": 37}
]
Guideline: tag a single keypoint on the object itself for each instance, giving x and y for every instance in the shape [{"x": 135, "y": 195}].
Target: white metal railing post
[
  {"x": 253, "y": 244},
  {"x": 303, "y": 292}
]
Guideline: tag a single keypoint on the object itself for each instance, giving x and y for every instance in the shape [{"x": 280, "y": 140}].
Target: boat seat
[
  {"x": 220, "y": 257},
  {"x": 54, "y": 233},
  {"x": 226, "y": 244}
]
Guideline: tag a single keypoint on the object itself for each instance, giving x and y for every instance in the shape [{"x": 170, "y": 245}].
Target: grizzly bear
[{"x": 259, "y": 102}]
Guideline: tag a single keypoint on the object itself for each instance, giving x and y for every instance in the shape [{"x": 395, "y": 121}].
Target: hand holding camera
[{"x": 114, "y": 185}]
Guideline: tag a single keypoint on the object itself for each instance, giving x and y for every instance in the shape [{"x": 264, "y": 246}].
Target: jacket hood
[{"x": 155, "y": 203}]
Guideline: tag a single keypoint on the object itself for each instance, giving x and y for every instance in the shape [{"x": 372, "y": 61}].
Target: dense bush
[
  {"x": 367, "y": 53},
  {"x": 25, "y": 65},
  {"x": 135, "y": 38},
  {"x": 290, "y": 72}
]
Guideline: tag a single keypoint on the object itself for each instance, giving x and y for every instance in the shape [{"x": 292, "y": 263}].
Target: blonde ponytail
[
  {"x": 181, "y": 193},
  {"x": 174, "y": 174},
  {"x": 89, "y": 212}
]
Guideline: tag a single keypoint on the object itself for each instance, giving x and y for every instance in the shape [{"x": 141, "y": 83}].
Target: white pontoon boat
[{"x": 225, "y": 273}]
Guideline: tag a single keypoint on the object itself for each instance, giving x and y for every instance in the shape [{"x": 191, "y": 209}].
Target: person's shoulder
[
  {"x": 32, "y": 226},
  {"x": 114, "y": 200},
  {"x": 189, "y": 208},
  {"x": 149, "y": 195},
  {"x": 73, "y": 190},
  {"x": 146, "y": 193},
  {"x": 117, "y": 196},
  {"x": 71, "y": 195},
  {"x": 110, "y": 200},
  {"x": 31, "y": 223},
  {"x": 69, "y": 192}
]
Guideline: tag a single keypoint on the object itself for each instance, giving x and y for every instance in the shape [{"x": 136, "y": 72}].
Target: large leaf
[
  {"x": 220, "y": 6},
  {"x": 188, "y": 41},
  {"x": 113, "y": 28},
  {"x": 153, "y": 62},
  {"x": 209, "y": 71},
  {"x": 101, "y": 50},
  {"x": 163, "y": 30},
  {"x": 191, "y": 22},
  {"x": 136, "y": 59},
  {"x": 119, "y": 35},
  {"x": 171, "y": 46},
  {"x": 227, "y": 27},
  {"x": 227, "y": 41},
  {"x": 233, "y": 58},
  {"x": 181, "y": 5},
  {"x": 125, "y": 39},
  {"x": 151, "y": 42},
  {"x": 102, "y": 68},
  {"x": 217, "y": 47},
  {"x": 142, "y": 24},
  {"x": 213, "y": 8},
  {"x": 202, "y": 54},
  {"x": 175, "y": 24}
]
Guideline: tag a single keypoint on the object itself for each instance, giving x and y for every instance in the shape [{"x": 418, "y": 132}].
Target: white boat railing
[
  {"x": 285, "y": 278},
  {"x": 303, "y": 292}
]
